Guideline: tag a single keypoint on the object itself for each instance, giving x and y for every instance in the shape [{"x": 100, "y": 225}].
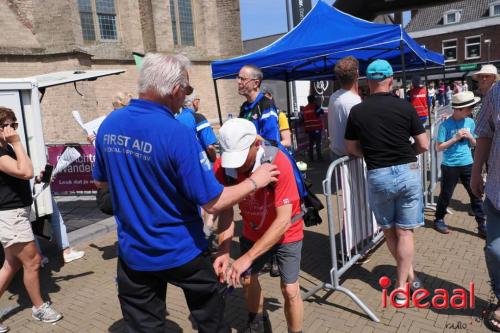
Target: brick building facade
[
  {"x": 466, "y": 32},
  {"x": 42, "y": 36}
]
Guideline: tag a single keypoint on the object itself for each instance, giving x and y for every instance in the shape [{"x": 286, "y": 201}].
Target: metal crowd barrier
[
  {"x": 354, "y": 221},
  {"x": 433, "y": 158}
]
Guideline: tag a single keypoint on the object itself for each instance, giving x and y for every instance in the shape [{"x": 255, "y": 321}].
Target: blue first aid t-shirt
[
  {"x": 202, "y": 129},
  {"x": 267, "y": 123},
  {"x": 459, "y": 153},
  {"x": 158, "y": 177}
]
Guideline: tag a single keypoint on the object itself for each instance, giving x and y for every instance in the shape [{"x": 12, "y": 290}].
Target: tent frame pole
[
  {"x": 289, "y": 113},
  {"x": 427, "y": 94},
  {"x": 218, "y": 102},
  {"x": 403, "y": 69}
]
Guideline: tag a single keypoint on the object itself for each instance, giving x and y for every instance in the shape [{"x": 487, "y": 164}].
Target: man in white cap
[
  {"x": 272, "y": 223},
  {"x": 455, "y": 138}
]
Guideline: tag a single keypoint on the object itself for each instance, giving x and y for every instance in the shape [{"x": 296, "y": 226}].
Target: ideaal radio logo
[{"x": 421, "y": 298}]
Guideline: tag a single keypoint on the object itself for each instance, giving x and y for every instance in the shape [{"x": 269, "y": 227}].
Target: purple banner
[{"x": 78, "y": 175}]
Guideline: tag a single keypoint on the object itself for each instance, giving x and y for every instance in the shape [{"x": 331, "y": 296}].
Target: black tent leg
[
  {"x": 218, "y": 102},
  {"x": 403, "y": 69}
]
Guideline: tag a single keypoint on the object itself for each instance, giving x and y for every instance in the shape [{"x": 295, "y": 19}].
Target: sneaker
[
  {"x": 400, "y": 299},
  {"x": 4, "y": 328},
  {"x": 259, "y": 324},
  {"x": 416, "y": 284},
  {"x": 440, "y": 226},
  {"x": 481, "y": 229},
  {"x": 43, "y": 262},
  {"x": 45, "y": 313},
  {"x": 73, "y": 255}
]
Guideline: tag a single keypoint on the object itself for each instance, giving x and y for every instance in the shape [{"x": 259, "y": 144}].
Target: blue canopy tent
[{"x": 310, "y": 50}]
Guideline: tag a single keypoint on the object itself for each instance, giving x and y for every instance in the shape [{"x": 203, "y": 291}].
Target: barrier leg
[
  {"x": 314, "y": 290},
  {"x": 346, "y": 291},
  {"x": 359, "y": 303}
]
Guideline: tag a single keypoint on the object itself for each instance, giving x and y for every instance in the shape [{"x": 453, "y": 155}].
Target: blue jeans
[
  {"x": 396, "y": 197},
  {"x": 492, "y": 248},
  {"x": 58, "y": 227}
]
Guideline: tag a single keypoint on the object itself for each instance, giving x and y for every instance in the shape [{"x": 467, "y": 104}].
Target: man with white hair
[
  {"x": 272, "y": 224},
  {"x": 190, "y": 117},
  {"x": 158, "y": 177}
]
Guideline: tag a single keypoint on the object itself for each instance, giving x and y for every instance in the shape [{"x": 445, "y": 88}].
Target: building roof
[{"x": 432, "y": 17}]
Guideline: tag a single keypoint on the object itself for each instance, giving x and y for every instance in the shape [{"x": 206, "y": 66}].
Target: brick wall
[
  {"x": 143, "y": 25},
  {"x": 434, "y": 43}
]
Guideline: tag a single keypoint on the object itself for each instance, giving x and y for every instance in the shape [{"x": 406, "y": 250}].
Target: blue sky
[{"x": 264, "y": 17}]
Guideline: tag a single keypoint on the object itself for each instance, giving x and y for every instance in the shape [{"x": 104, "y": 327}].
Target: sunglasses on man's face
[
  {"x": 188, "y": 90},
  {"x": 14, "y": 126}
]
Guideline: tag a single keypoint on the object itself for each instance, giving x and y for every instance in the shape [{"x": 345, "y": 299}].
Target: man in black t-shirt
[{"x": 379, "y": 129}]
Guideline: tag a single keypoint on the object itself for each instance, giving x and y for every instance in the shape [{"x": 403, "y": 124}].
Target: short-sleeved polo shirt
[{"x": 158, "y": 177}]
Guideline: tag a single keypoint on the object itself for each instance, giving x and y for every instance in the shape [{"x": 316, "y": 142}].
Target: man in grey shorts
[{"x": 272, "y": 224}]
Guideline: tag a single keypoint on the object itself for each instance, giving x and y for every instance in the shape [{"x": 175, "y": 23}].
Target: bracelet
[{"x": 254, "y": 183}]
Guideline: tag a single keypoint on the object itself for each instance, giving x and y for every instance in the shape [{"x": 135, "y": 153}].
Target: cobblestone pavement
[{"x": 85, "y": 290}]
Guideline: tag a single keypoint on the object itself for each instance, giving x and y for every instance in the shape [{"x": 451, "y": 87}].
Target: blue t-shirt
[
  {"x": 459, "y": 153},
  {"x": 200, "y": 125},
  {"x": 267, "y": 123},
  {"x": 158, "y": 176}
]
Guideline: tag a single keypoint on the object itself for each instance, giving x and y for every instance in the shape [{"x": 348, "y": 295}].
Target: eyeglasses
[
  {"x": 244, "y": 79},
  {"x": 188, "y": 90},
  {"x": 14, "y": 126}
]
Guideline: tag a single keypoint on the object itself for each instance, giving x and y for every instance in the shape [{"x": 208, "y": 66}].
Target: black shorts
[{"x": 287, "y": 255}]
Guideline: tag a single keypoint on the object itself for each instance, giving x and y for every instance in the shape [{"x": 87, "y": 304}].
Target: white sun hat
[
  {"x": 464, "y": 99},
  {"x": 486, "y": 70}
]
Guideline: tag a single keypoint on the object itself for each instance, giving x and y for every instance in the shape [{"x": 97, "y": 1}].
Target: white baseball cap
[{"x": 236, "y": 137}]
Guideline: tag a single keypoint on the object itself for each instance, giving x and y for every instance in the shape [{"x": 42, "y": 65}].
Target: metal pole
[
  {"x": 218, "y": 102},
  {"x": 401, "y": 49},
  {"x": 427, "y": 93}
]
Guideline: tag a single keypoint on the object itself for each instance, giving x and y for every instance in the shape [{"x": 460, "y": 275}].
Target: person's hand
[
  {"x": 38, "y": 179},
  {"x": 10, "y": 135},
  {"x": 459, "y": 135},
  {"x": 265, "y": 174},
  {"x": 467, "y": 134},
  {"x": 91, "y": 138},
  {"x": 477, "y": 184},
  {"x": 221, "y": 264},
  {"x": 238, "y": 268}
]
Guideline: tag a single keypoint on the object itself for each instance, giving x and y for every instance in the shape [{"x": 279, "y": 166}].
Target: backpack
[{"x": 310, "y": 205}]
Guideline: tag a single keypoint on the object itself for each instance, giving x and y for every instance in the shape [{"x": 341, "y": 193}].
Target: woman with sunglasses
[{"x": 16, "y": 235}]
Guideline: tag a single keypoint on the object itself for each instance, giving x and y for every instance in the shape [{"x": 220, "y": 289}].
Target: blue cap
[{"x": 379, "y": 70}]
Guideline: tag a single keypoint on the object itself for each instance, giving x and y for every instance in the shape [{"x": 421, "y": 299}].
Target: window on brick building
[
  {"x": 495, "y": 8},
  {"x": 451, "y": 16},
  {"x": 85, "y": 8},
  {"x": 450, "y": 50},
  {"x": 473, "y": 47},
  {"x": 181, "y": 15},
  {"x": 104, "y": 13}
]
